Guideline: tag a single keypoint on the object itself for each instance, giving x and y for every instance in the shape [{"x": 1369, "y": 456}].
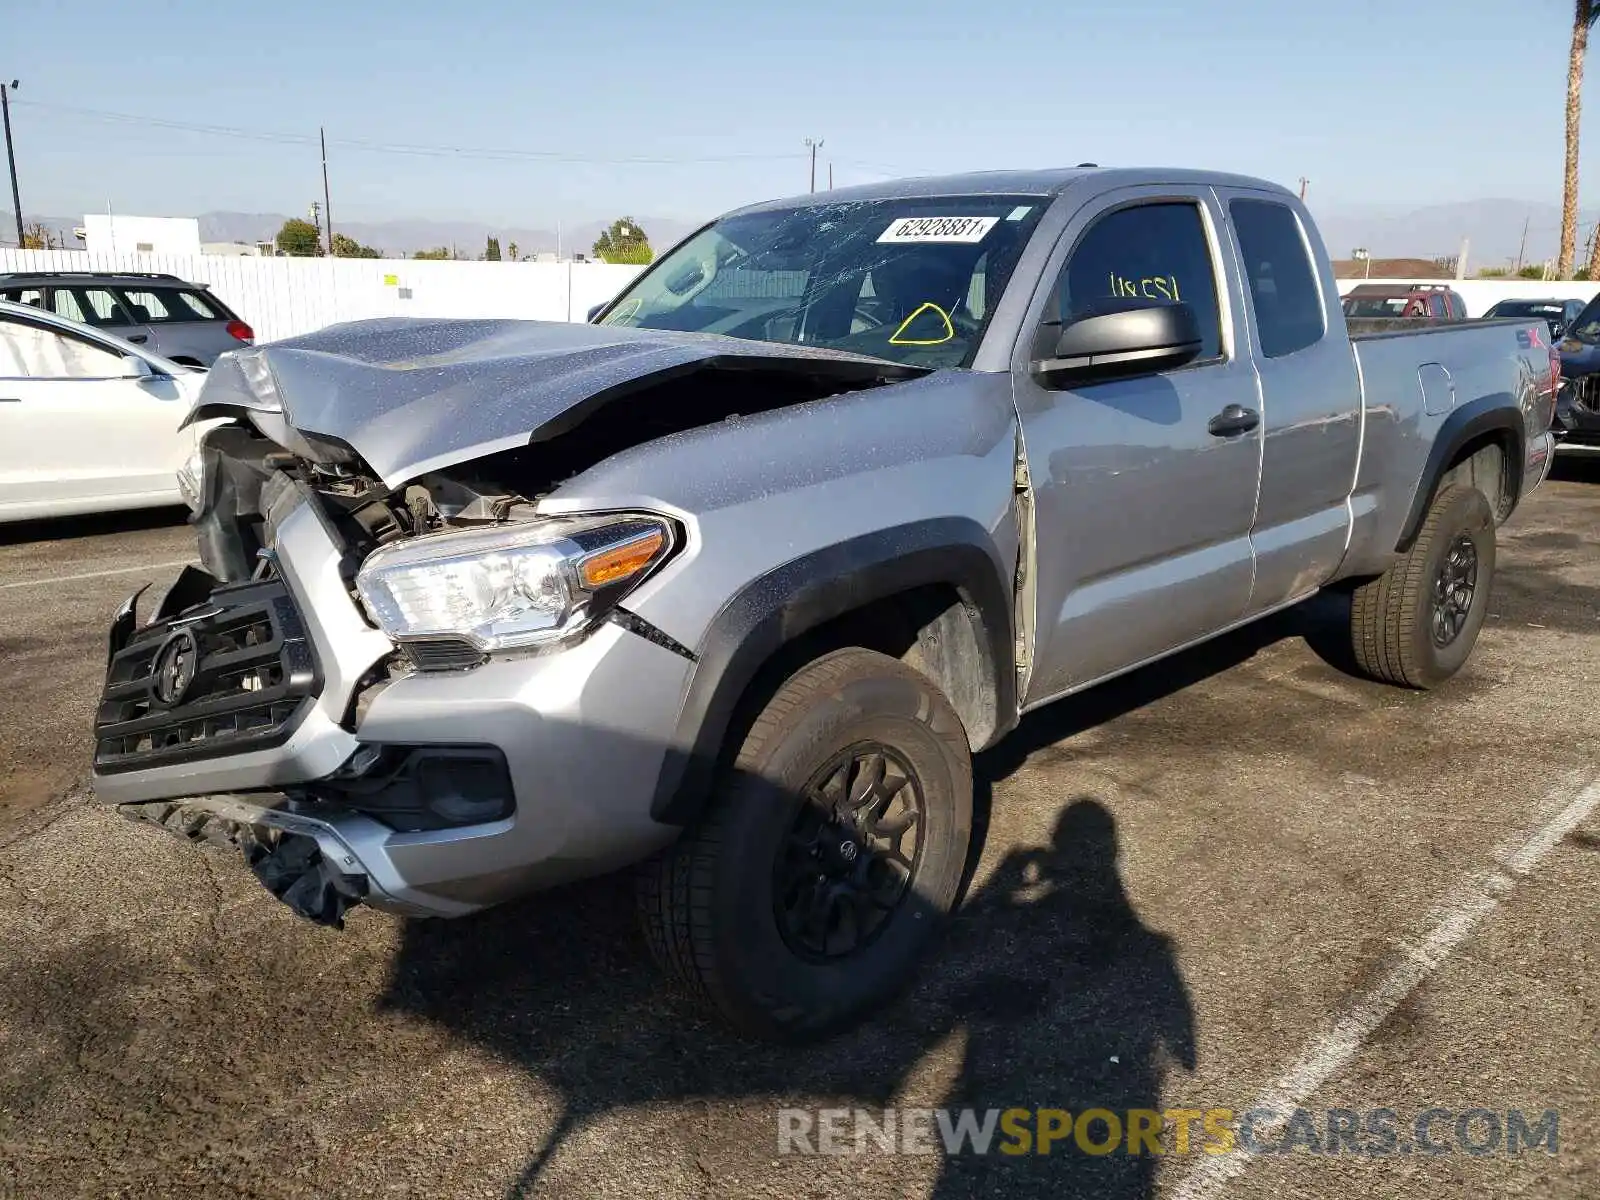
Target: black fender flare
[
  {"x": 782, "y": 604},
  {"x": 1488, "y": 414}
]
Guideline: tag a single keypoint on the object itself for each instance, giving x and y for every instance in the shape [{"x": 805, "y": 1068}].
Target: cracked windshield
[{"x": 914, "y": 281}]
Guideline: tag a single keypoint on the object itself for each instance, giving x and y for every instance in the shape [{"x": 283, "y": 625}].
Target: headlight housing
[
  {"x": 192, "y": 480},
  {"x": 511, "y": 587}
]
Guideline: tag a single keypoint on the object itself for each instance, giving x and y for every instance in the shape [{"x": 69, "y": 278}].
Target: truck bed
[{"x": 1363, "y": 328}]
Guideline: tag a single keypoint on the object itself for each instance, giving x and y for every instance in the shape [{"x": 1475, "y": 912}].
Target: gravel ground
[{"x": 1238, "y": 875}]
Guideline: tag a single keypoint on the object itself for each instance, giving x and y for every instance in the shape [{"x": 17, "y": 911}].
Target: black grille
[{"x": 253, "y": 675}]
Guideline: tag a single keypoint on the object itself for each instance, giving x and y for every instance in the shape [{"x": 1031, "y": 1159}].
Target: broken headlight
[
  {"x": 512, "y": 586},
  {"x": 192, "y": 480}
]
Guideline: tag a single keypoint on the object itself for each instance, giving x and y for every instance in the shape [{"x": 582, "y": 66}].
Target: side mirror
[
  {"x": 1121, "y": 337},
  {"x": 593, "y": 313},
  {"x": 134, "y": 367}
]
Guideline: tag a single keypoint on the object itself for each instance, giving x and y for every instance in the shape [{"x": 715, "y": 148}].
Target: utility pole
[
  {"x": 830, "y": 175},
  {"x": 1303, "y": 182},
  {"x": 1522, "y": 246},
  {"x": 316, "y": 218},
  {"x": 327, "y": 204},
  {"x": 814, "y": 144},
  {"x": 11, "y": 155}
]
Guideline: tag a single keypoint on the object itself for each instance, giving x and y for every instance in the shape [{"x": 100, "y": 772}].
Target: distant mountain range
[
  {"x": 1494, "y": 228},
  {"x": 397, "y": 238}
]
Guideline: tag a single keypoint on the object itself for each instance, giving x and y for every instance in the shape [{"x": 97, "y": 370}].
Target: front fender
[{"x": 801, "y": 594}]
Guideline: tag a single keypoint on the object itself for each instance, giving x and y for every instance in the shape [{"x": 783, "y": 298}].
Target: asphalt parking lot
[{"x": 1241, "y": 878}]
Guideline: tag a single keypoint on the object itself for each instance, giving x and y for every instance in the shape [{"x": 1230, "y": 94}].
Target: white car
[{"x": 88, "y": 422}]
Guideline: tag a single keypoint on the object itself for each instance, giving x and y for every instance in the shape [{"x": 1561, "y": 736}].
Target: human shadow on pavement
[{"x": 1046, "y": 992}]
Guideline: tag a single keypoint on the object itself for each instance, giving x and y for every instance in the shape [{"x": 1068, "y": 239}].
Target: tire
[
  {"x": 1395, "y": 624},
  {"x": 725, "y": 907}
]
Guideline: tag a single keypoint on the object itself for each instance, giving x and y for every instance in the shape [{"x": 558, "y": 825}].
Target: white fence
[
  {"x": 282, "y": 297},
  {"x": 1481, "y": 294}
]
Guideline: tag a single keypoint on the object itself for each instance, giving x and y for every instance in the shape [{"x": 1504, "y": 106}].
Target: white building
[
  {"x": 119, "y": 234},
  {"x": 237, "y": 249}
]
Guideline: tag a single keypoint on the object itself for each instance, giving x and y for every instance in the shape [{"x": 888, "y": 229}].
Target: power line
[{"x": 305, "y": 139}]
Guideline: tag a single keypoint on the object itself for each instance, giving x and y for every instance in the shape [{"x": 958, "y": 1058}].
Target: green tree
[
  {"x": 438, "y": 252},
  {"x": 348, "y": 247},
  {"x": 511, "y": 252},
  {"x": 299, "y": 239},
  {"x": 624, "y": 242},
  {"x": 491, "y": 250},
  {"x": 1584, "y": 14}
]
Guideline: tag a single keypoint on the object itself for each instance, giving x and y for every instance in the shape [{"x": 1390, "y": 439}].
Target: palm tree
[{"x": 1585, "y": 13}]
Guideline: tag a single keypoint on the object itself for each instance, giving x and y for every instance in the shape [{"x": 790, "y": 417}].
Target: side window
[
  {"x": 65, "y": 304},
  {"x": 1283, "y": 284},
  {"x": 1151, "y": 251},
  {"x": 146, "y": 306},
  {"x": 99, "y": 306},
  {"x": 190, "y": 306},
  {"x": 29, "y": 296},
  {"x": 32, "y": 352}
]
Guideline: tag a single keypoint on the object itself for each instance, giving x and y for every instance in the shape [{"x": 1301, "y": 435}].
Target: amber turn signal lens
[{"x": 622, "y": 561}]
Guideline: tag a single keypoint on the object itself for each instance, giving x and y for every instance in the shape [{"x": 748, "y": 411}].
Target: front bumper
[{"x": 584, "y": 733}]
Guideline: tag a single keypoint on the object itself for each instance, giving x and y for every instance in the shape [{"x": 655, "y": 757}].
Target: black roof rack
[{"x": 15, "y": 275}]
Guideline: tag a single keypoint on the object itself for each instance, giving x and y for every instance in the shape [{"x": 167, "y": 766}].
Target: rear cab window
[
  {"x": 1159, "y": 251},
  {"x": 1284, "y": 292}
]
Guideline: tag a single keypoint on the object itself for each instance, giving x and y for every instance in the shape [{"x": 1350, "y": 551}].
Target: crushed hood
[{"x": 409, "y": 395}]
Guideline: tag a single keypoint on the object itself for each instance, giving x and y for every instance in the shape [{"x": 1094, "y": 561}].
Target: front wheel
[
  {"x": 1416, "y": 623},
  {"x": 829, "y": 856}
]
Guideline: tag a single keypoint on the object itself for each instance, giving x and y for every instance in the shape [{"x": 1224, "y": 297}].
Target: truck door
[
  {"x": 1311, "y": 402},
  {"x": 1144, "y": 486}
]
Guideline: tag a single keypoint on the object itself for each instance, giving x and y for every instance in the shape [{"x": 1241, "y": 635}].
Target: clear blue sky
[{"x": 1406, "y": 103}]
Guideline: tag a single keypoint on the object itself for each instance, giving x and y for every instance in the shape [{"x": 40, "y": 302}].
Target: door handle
[
  {"x": 10, "y": 399},
  {"x": 1236, "y": 418},
  {"x": 139, "y": 337}
]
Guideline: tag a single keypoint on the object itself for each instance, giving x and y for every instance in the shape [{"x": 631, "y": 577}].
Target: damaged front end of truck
[{"x": 371, "y": 505}]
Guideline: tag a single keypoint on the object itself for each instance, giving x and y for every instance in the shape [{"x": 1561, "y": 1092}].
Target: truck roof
[{"x": 1042, "y": 182}]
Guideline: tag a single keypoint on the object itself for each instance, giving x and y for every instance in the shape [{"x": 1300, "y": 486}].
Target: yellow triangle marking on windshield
[{"x": 949, "y": 330}]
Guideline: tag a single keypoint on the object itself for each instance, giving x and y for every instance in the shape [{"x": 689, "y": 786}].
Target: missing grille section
[{"x": 252, "y": 678}]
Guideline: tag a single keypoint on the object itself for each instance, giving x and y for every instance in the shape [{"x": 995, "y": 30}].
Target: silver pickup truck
[{"x": 730, "y": 583}]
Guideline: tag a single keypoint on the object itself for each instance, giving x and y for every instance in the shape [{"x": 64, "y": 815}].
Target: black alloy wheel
[{"x": 851, "y": 855}]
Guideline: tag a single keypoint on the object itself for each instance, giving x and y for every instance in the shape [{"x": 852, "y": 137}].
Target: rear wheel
[
  {"x": 1416, "y": 623},
  {"x": 828, "y": 857}
]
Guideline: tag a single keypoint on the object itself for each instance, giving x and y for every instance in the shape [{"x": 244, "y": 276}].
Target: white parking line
[
  {"x": 1449, "y": 925},
  {"x": 162, "y": 566}
]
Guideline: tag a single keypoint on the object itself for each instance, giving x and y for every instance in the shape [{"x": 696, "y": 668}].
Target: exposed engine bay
[{"x": 244, "y": 470}]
